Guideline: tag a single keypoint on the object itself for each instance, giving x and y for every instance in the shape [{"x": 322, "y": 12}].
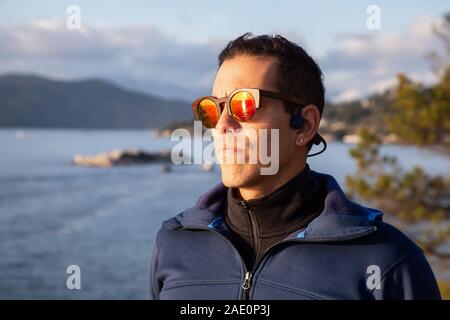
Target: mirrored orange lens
[
  {"x": 243, "y": 106},
  {"x": 208, "y": 113}
]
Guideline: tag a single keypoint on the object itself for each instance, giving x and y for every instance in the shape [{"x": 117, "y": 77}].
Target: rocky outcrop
[{"x": 122, "y": 157}]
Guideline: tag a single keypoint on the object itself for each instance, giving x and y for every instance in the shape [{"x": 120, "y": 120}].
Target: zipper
[
  {"x": 254, "y": 226},
  {"x": 246, "y": 285}
]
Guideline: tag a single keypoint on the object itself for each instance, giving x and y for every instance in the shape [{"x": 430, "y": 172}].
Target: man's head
[{"x": 271, "y": 63}]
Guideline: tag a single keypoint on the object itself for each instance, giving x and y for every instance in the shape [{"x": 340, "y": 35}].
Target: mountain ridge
[{"x": 30, "y": 100}]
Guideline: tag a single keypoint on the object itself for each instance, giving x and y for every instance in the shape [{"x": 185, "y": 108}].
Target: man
[{"x": 290, "y": 235}]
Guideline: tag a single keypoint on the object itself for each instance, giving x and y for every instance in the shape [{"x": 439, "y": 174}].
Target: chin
[{"x": 236, "y": 176}]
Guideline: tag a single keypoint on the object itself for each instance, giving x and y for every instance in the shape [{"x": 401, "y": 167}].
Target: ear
[{"x": 311, "y": 120}]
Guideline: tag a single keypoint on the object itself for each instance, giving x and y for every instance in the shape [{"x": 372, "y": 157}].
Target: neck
[{"x": 268, "y": 184}]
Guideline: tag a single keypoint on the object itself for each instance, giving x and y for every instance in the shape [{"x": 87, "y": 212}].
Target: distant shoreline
[{"x": 350, "y": 139}]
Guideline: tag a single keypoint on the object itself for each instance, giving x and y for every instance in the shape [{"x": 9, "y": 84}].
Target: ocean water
[{"x": 54, "y": 214}]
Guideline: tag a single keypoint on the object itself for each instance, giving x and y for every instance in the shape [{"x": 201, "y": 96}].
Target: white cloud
[{"x": 368, "y": 63}]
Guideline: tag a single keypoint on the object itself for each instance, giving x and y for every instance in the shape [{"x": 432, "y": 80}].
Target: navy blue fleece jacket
[{"x": 347, "y": 252}]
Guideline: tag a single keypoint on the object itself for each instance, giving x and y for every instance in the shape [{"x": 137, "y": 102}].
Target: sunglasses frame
[{"x": 256, "y": 93}]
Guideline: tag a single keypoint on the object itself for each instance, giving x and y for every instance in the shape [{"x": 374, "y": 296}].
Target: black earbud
[{"x": 297, "y": 121}]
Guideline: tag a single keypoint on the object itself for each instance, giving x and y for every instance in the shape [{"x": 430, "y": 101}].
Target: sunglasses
[{"x": 241, "y": 105}]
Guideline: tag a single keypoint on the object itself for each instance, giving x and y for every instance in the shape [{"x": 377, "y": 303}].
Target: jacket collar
[
  {"x": 288, "y": 208},
  {"x": 341, "y": 218}
]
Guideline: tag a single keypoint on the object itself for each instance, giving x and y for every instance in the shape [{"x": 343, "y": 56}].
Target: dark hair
[{"x": 299, "y": 76}]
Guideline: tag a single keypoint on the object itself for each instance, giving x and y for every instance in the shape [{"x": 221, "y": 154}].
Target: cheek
[
  {"x": 263, "y": 129},
  {"x": 286, "y": 145},
  {"x": 286, "y": 135}
]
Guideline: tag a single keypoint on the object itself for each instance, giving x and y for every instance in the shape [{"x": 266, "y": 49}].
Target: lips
[{"x": 232, "y": 145}]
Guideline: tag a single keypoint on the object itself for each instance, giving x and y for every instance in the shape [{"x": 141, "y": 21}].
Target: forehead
[{"x": 246, "y": 71}]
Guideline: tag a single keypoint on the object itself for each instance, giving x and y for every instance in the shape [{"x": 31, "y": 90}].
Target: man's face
[{"x": 252, "y": 72}]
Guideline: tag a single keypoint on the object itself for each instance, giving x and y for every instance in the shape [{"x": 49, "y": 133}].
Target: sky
[{"x": 169, "y": 48}]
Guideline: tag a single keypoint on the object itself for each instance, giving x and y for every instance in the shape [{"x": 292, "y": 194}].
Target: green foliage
[
  {"x": 419, "y": 115},
  {"x": 410, "y": 197}
]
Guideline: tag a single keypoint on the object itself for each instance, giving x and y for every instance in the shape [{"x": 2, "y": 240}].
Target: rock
[{"x": 122, "y": 157}]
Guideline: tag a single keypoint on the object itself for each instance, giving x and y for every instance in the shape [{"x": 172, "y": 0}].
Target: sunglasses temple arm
[{"x": 277, "y": 96}]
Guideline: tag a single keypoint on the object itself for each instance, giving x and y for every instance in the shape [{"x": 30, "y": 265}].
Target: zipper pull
[
  {"x": 246, "y": 284},
  {"x": 244, "y": 204}
]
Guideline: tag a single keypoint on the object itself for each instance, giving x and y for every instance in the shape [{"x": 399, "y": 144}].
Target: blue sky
[{"x": 157, "y": 45}]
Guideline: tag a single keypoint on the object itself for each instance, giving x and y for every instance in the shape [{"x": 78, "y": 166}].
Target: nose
[{"x": 226, "y": 122}]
